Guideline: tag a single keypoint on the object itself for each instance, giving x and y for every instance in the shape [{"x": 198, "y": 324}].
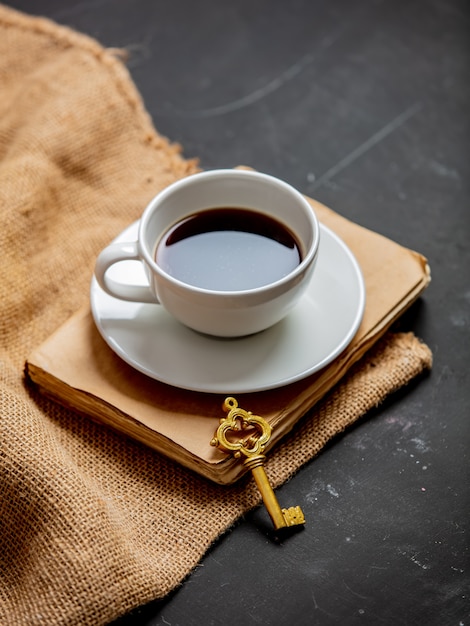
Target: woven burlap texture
[{"x": 93, "y": 524}]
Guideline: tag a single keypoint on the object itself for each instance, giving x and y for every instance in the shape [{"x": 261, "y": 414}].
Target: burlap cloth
[{"x": 93, "y": 524}]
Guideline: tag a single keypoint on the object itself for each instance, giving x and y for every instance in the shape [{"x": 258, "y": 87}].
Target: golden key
[{"x": 257, "y": 434}]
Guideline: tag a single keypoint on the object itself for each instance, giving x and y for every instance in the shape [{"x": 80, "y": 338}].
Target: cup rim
[{"x": 160, "y": 197}]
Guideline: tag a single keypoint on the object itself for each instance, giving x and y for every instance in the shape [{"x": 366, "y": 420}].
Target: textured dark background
[{"x": 365, "y": 106}]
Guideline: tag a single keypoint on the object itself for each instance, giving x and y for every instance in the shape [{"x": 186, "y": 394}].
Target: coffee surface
[{"x": 228, "y": 249}]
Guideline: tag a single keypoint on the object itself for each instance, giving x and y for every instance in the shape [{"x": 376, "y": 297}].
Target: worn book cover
[{"x": 77, "y": 368}]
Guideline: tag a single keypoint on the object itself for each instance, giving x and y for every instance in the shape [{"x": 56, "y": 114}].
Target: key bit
[{"x": 246, "y": 435}]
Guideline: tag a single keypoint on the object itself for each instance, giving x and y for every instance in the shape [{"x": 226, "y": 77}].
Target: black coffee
[{"x": 228, "y": 249}]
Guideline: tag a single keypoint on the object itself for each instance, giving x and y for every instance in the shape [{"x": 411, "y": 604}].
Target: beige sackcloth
[{"x": 91, "y": 523}]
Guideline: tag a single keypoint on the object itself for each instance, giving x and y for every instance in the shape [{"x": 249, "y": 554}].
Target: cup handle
[{"x": 115, "y": 252}]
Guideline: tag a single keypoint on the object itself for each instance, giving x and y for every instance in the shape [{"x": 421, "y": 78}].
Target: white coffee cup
[{"x": 224, "y": 313}]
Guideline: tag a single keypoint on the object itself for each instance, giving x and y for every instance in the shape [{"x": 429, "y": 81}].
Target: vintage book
[{"x": 77, "y": 368}]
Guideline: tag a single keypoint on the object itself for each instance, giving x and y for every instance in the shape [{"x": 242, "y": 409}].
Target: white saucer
[{"x": 311, "y": 336}]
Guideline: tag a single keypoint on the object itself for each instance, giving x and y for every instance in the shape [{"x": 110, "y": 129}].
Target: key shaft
[{"x": 267, "y": 493}]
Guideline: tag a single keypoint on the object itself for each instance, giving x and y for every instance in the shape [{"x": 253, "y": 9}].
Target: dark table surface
[{"x": 365, "y": 106}]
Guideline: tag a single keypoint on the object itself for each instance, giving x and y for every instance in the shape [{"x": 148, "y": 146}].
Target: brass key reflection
[{"x": 259, "y": 432}]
